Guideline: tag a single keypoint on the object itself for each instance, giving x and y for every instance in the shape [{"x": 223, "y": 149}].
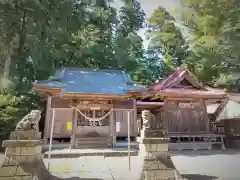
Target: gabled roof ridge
[
  {"x": 163, "y": 81},
  {"x": 177, "y": 72},
  {"x": 196, "y": 79},
  {"x": 177, "y": 75}
]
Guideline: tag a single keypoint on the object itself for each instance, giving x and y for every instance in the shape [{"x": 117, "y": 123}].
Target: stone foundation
[
  {"x": 23, "y": 159},
  {"x": 19, "y": 150},
  {"x": 157, "y": 162}
]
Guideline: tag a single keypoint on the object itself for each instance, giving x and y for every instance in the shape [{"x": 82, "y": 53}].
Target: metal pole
[
  {"x": 129, "y": 143},
  {"x": 51, "y": 136},
  {"x": 94, "y": 117},
  {"x": 73, "y": 124}
]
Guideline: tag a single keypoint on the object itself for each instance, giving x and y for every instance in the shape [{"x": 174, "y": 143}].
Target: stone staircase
[{"x": 92, "y": 142}]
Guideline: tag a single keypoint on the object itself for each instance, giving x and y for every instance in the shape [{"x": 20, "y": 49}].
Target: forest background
[{"x": 39, "y": 36}]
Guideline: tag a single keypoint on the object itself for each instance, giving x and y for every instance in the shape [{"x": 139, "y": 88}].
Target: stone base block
[
  {"x": 7, "y": 178},
  {"x": 156, "y": 164},
  {"x": 21, "y": 143},
  {"x": 22, "y": 158},
  {"x": 165, "y": 174},
  {"x": 8, "y": 161},
  {"x": 155, "y": 140},
  {"x": 7, "y": 171},
  {"x": 155, "y": 155},
  {"x": 21, "y": 172},
  {"x": 18, "y": 178},
  {"x": 156, "y": 147},
  {"x": 149, "y": 133},
  {"x": 25, "y": 135},
  {"x": 27, "y": 150},
  {"x": 14, "y": 173}
]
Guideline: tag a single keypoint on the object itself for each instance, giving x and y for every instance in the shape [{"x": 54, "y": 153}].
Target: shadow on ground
[{"x": 198, "y": 177}]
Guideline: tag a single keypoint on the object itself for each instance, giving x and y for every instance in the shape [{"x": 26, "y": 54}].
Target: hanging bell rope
[{"x": 93, "y": 119}]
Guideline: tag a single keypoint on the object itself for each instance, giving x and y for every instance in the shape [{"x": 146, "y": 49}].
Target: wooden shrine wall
[
  {"x": 185, "y": 117},
  {"x": 65, "y": 114},
  {"x": 122, "y": 117},
  {"x": 62, "y": 116},
  {"x": 159, "y": 120}
]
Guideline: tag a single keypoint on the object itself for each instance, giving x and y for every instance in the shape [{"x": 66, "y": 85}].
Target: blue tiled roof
[{"x": 72, "y": 80}]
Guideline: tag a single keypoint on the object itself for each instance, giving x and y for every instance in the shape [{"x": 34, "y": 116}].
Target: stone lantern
[{"x": 157, "y": 161}]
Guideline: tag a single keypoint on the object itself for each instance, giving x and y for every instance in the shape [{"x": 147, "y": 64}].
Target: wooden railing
[{"x": 195, "y": 141}]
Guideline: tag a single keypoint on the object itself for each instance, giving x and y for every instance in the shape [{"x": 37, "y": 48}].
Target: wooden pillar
[
  {"x": 112, "y": 129},
  {"x": 74, "y": 124},
  {"x": 164, "y": 115},
  {"x": 206, "y": 115},
  {"x": 135, "y": 124},
  {"x": 47, "y": 119}
]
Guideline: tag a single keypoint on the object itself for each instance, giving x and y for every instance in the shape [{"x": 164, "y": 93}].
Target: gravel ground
[{"x": 200, "y": 165}]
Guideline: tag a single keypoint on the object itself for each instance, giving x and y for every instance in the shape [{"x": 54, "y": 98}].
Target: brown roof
[
  {"x": 171, "y": 86},
  {"x": 175, "y": 78}
]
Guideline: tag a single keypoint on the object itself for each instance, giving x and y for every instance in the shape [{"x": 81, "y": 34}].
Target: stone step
[{"x": 93, "y": 142}]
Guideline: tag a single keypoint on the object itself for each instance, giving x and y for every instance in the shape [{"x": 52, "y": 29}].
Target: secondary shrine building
[
  {"x": 97, "y": 104},
  {"x": 181, "y": 103}
]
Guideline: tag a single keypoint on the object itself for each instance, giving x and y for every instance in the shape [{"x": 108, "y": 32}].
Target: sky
[{"x": 149, "y": 6}]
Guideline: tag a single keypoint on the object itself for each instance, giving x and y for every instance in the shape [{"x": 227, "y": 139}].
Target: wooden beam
[
  {"x": 193, "y": 96},
  {"x": 190, "y": 99},
  {"x": 46, "y": 90},
  {"x": 97, "y": 97},
  {"x": 94, "y": 106}
]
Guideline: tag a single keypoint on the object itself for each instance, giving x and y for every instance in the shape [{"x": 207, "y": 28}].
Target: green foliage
[
  {"x": 152, "y": 68},
  {"x": 230, "y": 82},
  {"x": 204, "y": 39},
  {"x": 70, "y": 33},
  {"x": 13, "y": 106},
  {"x": 37, "y": 37},
  {"x": 214, "y": 40},
  {"x": 166, "y": 37}
]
